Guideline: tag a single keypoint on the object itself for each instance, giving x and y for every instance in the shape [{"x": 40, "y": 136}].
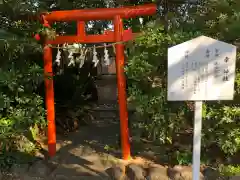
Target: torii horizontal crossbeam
[
  {"x": 107, "y": 13},
  {"x": 107, "y": 37}
]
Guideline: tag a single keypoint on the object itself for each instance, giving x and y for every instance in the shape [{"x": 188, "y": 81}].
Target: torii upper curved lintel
[{"x": 101, "y": 13}]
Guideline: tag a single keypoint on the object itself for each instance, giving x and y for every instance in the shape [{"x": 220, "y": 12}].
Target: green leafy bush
[
  {"x": 147, "y": 77},
  {"x": 229, "y": 170},
  {"x": 21, "y": 109}
]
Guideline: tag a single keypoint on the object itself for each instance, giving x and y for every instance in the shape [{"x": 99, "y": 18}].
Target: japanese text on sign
[{"x": 201, "y": 69}]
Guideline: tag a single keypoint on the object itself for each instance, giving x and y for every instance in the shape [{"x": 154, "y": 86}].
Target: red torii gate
[{"x": 118, "y": 35}]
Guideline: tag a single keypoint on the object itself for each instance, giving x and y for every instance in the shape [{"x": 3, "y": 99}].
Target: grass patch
[{"x": 229, "y": 170}]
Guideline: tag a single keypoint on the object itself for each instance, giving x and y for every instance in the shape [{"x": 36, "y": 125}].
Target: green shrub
[
  {"x": 147, "y": 78},
  {"x": 21, "y": 109},
  {"x": 229, "y": 170}
]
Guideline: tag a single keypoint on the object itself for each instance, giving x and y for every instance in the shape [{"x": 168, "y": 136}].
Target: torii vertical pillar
[
  {"x": 121, "y": 84},
  {"x": 49, "y": 100}
]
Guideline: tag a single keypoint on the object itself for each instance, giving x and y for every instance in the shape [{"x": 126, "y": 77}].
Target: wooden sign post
[{"x": 202, "y": 69}]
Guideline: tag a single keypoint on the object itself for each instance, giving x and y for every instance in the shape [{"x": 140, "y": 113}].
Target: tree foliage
[{"x": 20, "y": 108}]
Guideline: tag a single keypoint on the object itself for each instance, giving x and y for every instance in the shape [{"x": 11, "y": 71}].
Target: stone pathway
[{"x": 84, "y": 155}]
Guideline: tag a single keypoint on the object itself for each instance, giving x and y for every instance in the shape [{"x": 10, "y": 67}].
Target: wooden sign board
[{"x": 201, "y": 69}]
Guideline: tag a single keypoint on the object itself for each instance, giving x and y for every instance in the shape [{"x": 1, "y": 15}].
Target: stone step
[
  {"x": 106, "y": 107},
  {"x": 108, "y": 111},
  {"x": 110, "y": 107}
]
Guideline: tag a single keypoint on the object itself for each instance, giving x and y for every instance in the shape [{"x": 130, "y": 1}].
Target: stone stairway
[{"x": 107, "y": 107}]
